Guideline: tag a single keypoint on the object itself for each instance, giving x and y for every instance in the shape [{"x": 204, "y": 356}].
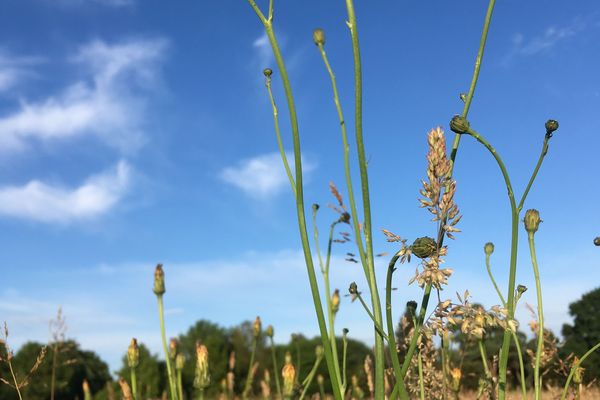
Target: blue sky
[{"x": 132, "y": 132}]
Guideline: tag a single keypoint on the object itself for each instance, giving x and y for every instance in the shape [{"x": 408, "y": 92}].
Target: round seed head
[
  {"x": 551, "y": 126},
  {"x": 424, "y": 247},
  {"x": 521, "y": 289},
  {"x": 133, "y": 354},
  {"x": 319, "y": 37},
  {"x": 345, "y": 331},
  {"x": 488, "y": 248},
  {"x": 597, "y": 241},
  {"x": 353, "y": 289},
  {"x": 459, "y": 124},
  {"x": 159, "y": 281},
  {"x": 532, "y": 220},
  {"x": 345, "y": 217},
  {"x": 268, "y": 72}
]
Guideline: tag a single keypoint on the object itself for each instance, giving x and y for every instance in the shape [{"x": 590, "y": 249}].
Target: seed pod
[
  {"x": 319, "y": 37},
  {"x": 532, "y": 221},
  {"x": 202, "y": 377},
  {"x": 268, "y": 72},
  {"x": 353, "y": 289},
  {"x": 159, "y": 280},
  {"x": 459, "y": 124},
  {"x": 256, "y": 327},
  {"x": 488, "y": 248},
  {"x": 597, "y": 241},
  {"x": 288, "y": 374},
  {"x": 551, "y": 126},
  {"x": 335, "y": 301},
  {"x": 424, "y": 247},
  {"x": 133, "y": 354},
  {"x": 269, "y": 331},
  {"x": 173, "y": 349}
]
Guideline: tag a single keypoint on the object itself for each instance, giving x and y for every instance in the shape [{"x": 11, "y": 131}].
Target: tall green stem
[
  {"x": 248, "y": 385},
  {"x": 540, "y": 342},
  {"x": 268, "y": 25},
  {"x": 179, "y": 385},
  {"x": 134, "y": 384},
  {"x": 367, "y": 228},
  {"x": 535, "y": 171},
  {"x": 275, "y": 369},
  {"x": 310, "y": 377},
  {"x": 574, "y": 368},
  {"x": 170, "y": 376},
  {"x": 486, "y": 368},
  {"x": 421, "y": 381},
  {"x": 391, "y": 334}
]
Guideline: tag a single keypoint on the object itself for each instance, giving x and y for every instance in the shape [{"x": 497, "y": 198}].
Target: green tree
[{"x": 584, "y": 333}]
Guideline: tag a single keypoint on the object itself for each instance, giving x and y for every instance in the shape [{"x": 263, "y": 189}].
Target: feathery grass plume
[
  {"x": 288, "y": 373},
  {"x": 159, "y": 290},
  {"x": 231, "y": 375},
  {"x": 368, "y": 367},
  {"x": 265, "y": 385},
  {"x": 356, "y": 390},
  {"x": 133, "y": 360},
  {"x": 87, "y": 394},
  {"x": 125, "y": 390}
]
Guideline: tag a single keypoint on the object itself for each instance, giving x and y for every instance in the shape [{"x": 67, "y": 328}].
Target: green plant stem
[
  {"x": 540, "y": 310},
  {"x": 286, "y": 165},
  {"x": 486, "y": 368},
  {"x": 367, "y": 228},
  {"x": 322, "y": 391},
  {"x": 535, "y": 171},
  {"x": 300, "y": 197},
  {"x": 275, "y": 369},
  {"x": 489, "y": 270},
  {"x": 134, "y": 384},
  {"x": 378, "y": 327},
  {"x": 161, "y": 317},
  {"x": 310, "y": 377},
  {"x": 179, "y": 385},
  {"x": 344, "y": 362},
  {"x": 390, "y": 329},
  {"x": 248, "y": 385},
  {"x": 201, "y": 394},
  {"x": 421, "y": 382},
  {"x": 574, "y": 368},
  {"x": 12, "y": 373}
]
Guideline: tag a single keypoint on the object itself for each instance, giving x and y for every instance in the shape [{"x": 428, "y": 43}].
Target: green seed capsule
[
  {"x": 459, "y": 124},
  {"x": 488, "y": 248},
  {"x": 319, "y": 37},
  {"x": 597, "y": 241},
  {"x": 424, "y": 247},
  {"x": 532, "y": 220}
]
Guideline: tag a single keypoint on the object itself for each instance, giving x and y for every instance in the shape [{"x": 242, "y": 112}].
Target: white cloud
[
  {"x": 264, "y": 51},
  {"x": 110, "y": 3},
  {"x": 14, "y": 70},
  {"x": 42, "y": 202},
  {"x": 109, "y": 107},
  {"x": 262, "y": 176}
]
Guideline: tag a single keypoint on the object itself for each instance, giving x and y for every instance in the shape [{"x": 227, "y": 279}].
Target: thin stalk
[
  {"x": 298, "y": 361},
  {"x": 201, "y": 394},
  {"x": 391, "y": 334},
  {"x": 344, "y": 361},
  {"x": 248, "y": 385},
  {"x": 574, "y": 368},
  {"x": 286, "y": 165},
  {"x": 310, "y": 377},
  {"x": 54, "y": 366},
  {"x": 513, "y": 262},
  {"x": 445, "y": 364},
  {"x": 321, "y": 390},
  {"x": 161, "y": 317},
  {"x": 134, "y": 384},
  {"x": 179, "y": 385},
  {"x": 535, "y": 171},
  {"x": 275, "y": 369},
  {"x": 378, "y": 327},
  {"x": 300, "y": 197},
  {"x": 364, "y": 178},
  {"x": 12, "y": 373},
  {"x": 486, "y": 368},
  {"x": 421, "y": 382},
  {"x": 540, "y": 343},
  {"x": 489, "y": 270}
]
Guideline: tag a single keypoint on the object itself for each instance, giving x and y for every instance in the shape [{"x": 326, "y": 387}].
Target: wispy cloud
[
  {"x": 263, "y": 50},
  {"x": 109, "y": 105},
  {"x": 523, "y": 46},
  {"x": 109, "y": 3},
  {"x": 42, "y": 202},
  {"x": 13, "y": 70},
  {"x": 262, "y": 176}
]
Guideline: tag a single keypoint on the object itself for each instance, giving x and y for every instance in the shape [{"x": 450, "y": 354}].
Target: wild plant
[
  {"x": 438, "y": 198},
  {"x": 133, "y": 360}
]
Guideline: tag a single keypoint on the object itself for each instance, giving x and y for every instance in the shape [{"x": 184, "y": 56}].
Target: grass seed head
[
  {"x": 319, "y": 37},
  {"x": 202, "y": 376},
  {"x": 133, "y": 354},
  {"x": 256, "y": 327}
]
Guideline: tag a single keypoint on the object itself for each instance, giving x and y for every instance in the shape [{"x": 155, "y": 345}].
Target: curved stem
[
  {"x": 390, "y": 328},
  {"x": 489, "y": 270},
  {"x": 364, "y": 178},
  {"x": 248, "y": 385},
  {"x": 12, "y": 373},
  {"x": 535, "y": 171},
  {"x": 299, "y": 192},
  {"x": 161, "y": 317},
  {"x": 286, "y": 165},
  {"x": 310, "y": 377},
  {"x": 378, "y": 327},
  {"x": 521, "y": 366},
  {"x": 574, "y": 368},
  {"x": 540, "y": 343}
]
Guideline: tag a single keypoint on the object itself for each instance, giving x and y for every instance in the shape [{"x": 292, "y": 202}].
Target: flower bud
[
  {"x": 488, "y": 248},
  {"x": 353, "y": 289},
  {"x": 319, "y": 37},
  {"x": 597, "y": 241},
  {"x": 320, "y": 379},
  {"x": 256, "y": 327},
  {"x": 319, "y": 351},
  {"x": 424, "y": 247},
  {"x": 455, "y": 374},
  {"x": 345, "y": 217},
  {"x": 551, "y": 126},
  {"x": 268, "y": 72},
  {"x": 202, "y": 376},
  {"x": 133, "y": 354},
  {"x": 173, "y": 349},
  {"x": 159, "y": 281},
  {"x": 532, "y": 220},
  {"x": 179, "y": 361},
  {"x": 459, "y": 124},
  {"x": 125, "y": 389},
  {"x": 521, "y": 289},
  {"x": 335, "y": 301},
  {"x": 269, "y": 331},
  {"x": 288, "y": 373}
]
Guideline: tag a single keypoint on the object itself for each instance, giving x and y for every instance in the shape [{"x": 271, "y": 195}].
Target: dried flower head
[
  {"x": 269, "y": 331},
  {"x": 202, "y": 376},
  {"x": 288, "y": 373},
  {"x": 159, "y": 280},
  {"x": 173, "y": 348},
  {"x": 335, "y": 301},
  {"x": 532, "y": 220}
]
